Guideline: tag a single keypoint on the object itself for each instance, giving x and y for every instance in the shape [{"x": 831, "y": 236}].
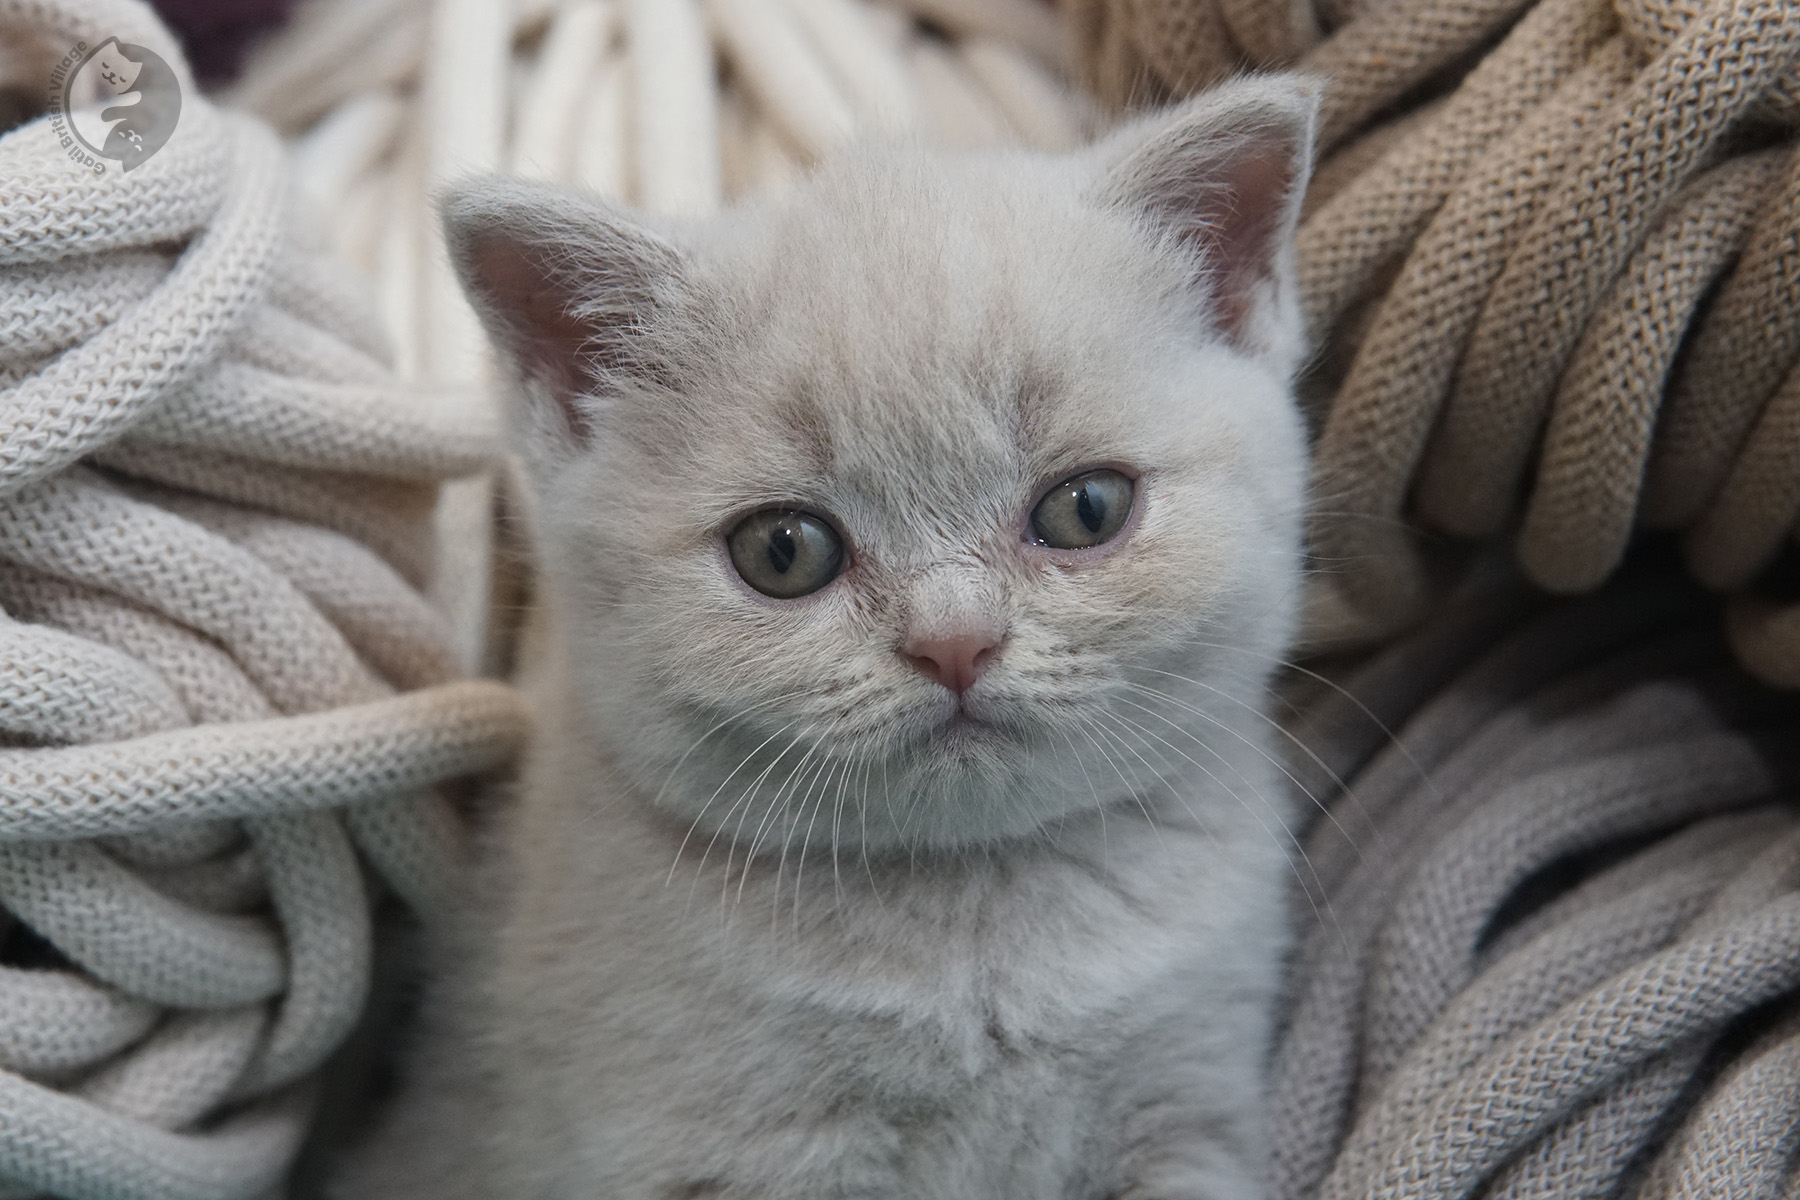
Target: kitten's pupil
[
  {"x": 1091, "y": 508},
  {"x": 782, "y": 550}
]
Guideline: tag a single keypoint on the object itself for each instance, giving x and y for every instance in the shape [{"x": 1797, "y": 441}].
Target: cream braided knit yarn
[
  {"x": 224, "y": 703},
  {"x": 1554, "y": 264}
]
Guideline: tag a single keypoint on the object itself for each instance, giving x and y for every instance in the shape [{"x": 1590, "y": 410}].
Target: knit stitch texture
[
  {"x": 1552, "y": 263},
  {"x": 225, "y": 707}
]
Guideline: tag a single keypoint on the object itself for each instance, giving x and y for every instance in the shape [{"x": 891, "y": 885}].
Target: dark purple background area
[{"x": 217, "y": 32}]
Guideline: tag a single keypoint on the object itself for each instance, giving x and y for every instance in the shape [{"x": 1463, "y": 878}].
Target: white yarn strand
[
  {"x": 219, "y": 678},
  {"x": 780, "y": 69},
  {"x": 675, "y": 135}
]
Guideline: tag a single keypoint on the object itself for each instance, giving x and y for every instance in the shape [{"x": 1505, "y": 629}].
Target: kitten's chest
[
  {"x": 968, "y": 1031},
  {"x": 1045, "y": 958}
]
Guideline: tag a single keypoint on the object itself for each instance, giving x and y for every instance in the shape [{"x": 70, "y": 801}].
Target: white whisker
[
  {"x": 698, "y": 817},
  {"x": 1135, "y": 792},
  {"x": 1317, "y": 885},
  {"x": 836, "y": 765},
  {"x": 1224, "y": 726},
  {"x": 747, "y": 799},
  {"x": 782, "y": 796}
]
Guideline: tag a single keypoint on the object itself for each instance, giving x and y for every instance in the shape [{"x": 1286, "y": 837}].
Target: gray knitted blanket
[{"x": 1553, "y": 939}]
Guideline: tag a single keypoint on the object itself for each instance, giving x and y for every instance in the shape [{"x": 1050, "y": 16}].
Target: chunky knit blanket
[
  {"x": 224, "y": 704},
  {"x": 1553, "y": 940},
  {"x": 1553, "y": 260}
]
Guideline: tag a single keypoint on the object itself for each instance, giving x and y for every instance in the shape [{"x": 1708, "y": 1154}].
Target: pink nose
[{"x": 956, "y": 661}]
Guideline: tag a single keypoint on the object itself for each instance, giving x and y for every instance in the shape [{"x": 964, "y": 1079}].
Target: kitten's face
[{"x": 941, "y": 504}]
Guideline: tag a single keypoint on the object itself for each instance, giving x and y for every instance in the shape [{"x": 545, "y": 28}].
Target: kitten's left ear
[{"x": 1224, "y": 175}]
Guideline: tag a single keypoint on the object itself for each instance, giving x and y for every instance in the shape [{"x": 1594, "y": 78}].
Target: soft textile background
[
  {"x": 1553, "y": 265},
  {"x": 1551, "y": 940},
  {"x": 225, "y": 705}
]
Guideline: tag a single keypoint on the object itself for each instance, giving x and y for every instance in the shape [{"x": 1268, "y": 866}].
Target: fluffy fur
[{"x": 771, "y": 919}]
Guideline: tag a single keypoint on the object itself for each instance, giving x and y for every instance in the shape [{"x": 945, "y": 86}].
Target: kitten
[{"x": 901, "y": 821}]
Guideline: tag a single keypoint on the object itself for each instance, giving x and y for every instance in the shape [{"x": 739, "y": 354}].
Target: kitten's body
[
  {"x": 1050, "y": 1020},
  {"x": 1019, "y": 941}
]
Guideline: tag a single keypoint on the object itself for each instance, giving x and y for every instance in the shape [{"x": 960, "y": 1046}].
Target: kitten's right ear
[
  {"x": 565, "y": 286},
  {"x": 1223, "y": 174}
]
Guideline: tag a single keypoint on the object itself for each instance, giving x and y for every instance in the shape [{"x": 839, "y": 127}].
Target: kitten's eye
[
  {"x": 1088, "y": 510},
  {"x": 785, "y": 553}
]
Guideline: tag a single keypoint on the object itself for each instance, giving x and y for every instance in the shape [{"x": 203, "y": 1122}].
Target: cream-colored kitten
[{"x": 901, "y": 822}]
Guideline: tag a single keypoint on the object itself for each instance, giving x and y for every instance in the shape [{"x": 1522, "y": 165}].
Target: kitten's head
[{"x": 955, "y": 496}]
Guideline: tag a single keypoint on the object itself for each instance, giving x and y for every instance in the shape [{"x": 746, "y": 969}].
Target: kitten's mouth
[
  {"x": 961, "y": 734},
  {"x": 967, "y": 723},
  {"x": 963, "y": 723}
]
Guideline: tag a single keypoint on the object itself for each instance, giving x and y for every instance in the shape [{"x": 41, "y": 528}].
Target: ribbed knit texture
[
  {"x": 1554, "y": 273},
  {"x": 1544, "y": 906},
  {"x": 224, "y": 702}
]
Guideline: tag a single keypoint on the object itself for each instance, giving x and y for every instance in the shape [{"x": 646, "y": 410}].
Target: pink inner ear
[
  {"x": 1236, "y": 228},
  {"x": 546, "y": 338}
]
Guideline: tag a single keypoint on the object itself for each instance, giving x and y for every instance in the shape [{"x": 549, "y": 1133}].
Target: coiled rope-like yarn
[
  {"x": 224, "y": 704},
  {"x": 1556, "y": 950},
  {"x": 1553, "y": 257}
]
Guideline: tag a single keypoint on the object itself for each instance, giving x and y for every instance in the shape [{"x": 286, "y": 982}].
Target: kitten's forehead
[
  {"x": 922, "y": 264},
  {"x": 908, "y": 324}
]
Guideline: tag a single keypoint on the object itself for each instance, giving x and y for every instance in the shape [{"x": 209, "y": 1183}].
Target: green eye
[
  {"x": 1088, "y": 510},
  {"x": 785, "y": 553}
]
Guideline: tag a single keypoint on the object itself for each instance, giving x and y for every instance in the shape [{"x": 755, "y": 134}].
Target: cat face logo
[{"x": 122, "y": 102}]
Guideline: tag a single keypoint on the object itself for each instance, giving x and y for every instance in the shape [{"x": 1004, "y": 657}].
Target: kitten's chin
[
  {"x": 965, "y": 741},
  {"x": 941, "y": 776}
]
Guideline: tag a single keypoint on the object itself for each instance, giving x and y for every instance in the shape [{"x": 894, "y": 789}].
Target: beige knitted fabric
[
  {"x": 224, "y": 704},
  {"x": 1552, "y": 911},
  {"x": 1560, "y": 304}
]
